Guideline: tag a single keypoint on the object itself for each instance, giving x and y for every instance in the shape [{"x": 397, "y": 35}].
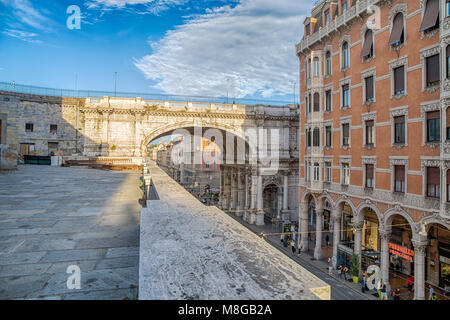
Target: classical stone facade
[
  {"x": 374, "y": 163},
  {"x": 121, "y": 128}
]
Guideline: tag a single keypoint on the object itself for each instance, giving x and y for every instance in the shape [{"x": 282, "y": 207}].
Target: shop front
[
  {"x": 370, "y": 240},
  {"x": 438, "y": 256},
  {"x": 347, "y": 244}
]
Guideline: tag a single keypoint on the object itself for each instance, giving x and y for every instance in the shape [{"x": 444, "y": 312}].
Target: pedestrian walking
[
  {"x": 383, "y": 291},
  {"x": 293, "y": 246},
  {"x": 300, "y": 250},
  {"x": 281, "y": 238},
  {"x": 345, "y": 272},
  {"x": 340, "y": 271},
  {"x": 330, "y": 266},
  {"x": 363, "y": 283},
  {"x": 396, "y": 294},
  {"x": 327, "y": 240},
  {"x": 410, "y": 282},
  {"x": 431, "y": 293}
]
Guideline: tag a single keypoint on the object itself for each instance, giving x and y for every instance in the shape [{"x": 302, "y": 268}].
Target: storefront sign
[{"x": 401, "y": 252}]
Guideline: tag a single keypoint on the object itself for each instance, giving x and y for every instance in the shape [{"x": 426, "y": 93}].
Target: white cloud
[
  {"x": 252, "y": 44},
  {"x": 22, "y": 35},
  {"x": 147, "y": 6},
  {"x": 24, "y": 11}
]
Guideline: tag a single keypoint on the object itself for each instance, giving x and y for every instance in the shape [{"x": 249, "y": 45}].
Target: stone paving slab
[
  {"x": 190, "y": 251},
  {"x": 54, "y": 217}
]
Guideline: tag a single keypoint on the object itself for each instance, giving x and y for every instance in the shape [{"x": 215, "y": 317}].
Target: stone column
[
  {"x": 247, "y": 196},
  {"x": 420, "y": 247},
  {"x": 252, "y": 215},
  {"x": 385, "y": 235},
  {"x": 285, "y": 192},
  {"x": 319, "y": 223},
  {"x": 226, "y": 189},
  {"x": 304, "y": 226},
  {"x": 259, "y": 202},
  {"x": 241, "y": 193},
  {"x": 358, "y": 225},
  {"x": 234, "y": 190},
  {"x": 336, "y": 233}
]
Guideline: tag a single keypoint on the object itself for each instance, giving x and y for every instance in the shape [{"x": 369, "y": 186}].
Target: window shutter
[
  {"x": 368, "y": 42},
  {"x": 399, "y": 173},
  {"x": 369, "y": 171},
  {"x": 369, "y": 88},
  {"x": 397, "y": 29},
  {"x": 433, "y": 71},
  {"x": 431, "y": 14},
  {"x": 399, "y": 79},
  {"x": 447, "y": 51},
  {"x": 433, "y": 175},
  {"x": 345, "y": 130},
  {"x": 433, "y": 115},
  {"x": 316, "y": 101}
]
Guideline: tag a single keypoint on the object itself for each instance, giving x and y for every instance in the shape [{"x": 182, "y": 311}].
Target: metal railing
[{"x": 68, "y": 93}]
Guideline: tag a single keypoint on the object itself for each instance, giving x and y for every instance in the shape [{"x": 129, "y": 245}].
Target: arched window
[
  {"x": 316, "y": 137},
  {"x": 448, "y": 185},
  {"x": 397, "y": 32},
  {"x": 367, "y": 50},
  {"x": 316, "y": 102},
  {"x": 345, "y": 55},
  {"x": 316, "y": 66},
  {"x": 447, "y": 55},
  {"x": 316, "y": 171},
  {"x": 328, "y": 63}
]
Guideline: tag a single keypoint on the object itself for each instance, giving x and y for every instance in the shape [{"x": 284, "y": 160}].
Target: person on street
[
  {"x": 340, "y": 271},
  {"x": 330, "y": 266},
  {"x": 346, "y": 270},
  {"x": 383, "y": 291},
  {"x": 410, "y": 282},
  {"x": 363, "y": 283},
  {"x": 431, "y": 293},
  {"x": 293, "y": 246},
  {"x": 396, "y": 294}
]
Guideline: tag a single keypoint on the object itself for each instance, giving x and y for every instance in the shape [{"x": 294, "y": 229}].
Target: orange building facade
[{"x": 375, "y": 137}]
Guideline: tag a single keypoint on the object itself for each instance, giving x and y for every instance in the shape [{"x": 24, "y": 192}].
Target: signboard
[{"x": 401, "y": 252}]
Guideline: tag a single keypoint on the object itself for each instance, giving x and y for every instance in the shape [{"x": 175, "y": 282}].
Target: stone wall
[{"x": 18, "y": 109}]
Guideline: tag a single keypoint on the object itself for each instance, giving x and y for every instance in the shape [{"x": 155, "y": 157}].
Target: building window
[
  {"x": 432, "y": 70},
  {"x": 345, "y": 95},
  {"x": 397, "y": 33},
  {"x": 308, "y": 138},
  {"x": 399, "y": 129},
  {"x": 309, "y": 68},
  {"x": 327, "y": 16},
  {"x": 367, "y": 50},
  {"x": 345, "y": 56},
  {"x": 448, "y": 123},
  {"x": 316, "y": 66},
  {"x": 53, "y": 128},
  {"x": 328, "y": 171},
  {"x": 328, "y": 136},
  {"x": 433, "y": 126},
  {"x": 369, "y": 88},
  {"x": 345, "y": 134},
  {"x": 328, "y": 63},
  {"x": 448, "y": 176},
  {"x": 316, "y": 102},
  {"x": 307, "y": 29},
  {"x": 399, "y": 80},
  {"x": 52, "y": 147},
  {"x": 430, "y": 19},
  {"x": 328, "y": 100},
  {"x": 28, "y": 127},
  {"x": 369, "y": 176},
  {"x": 316, "y": 137},
  {"x": 433, "y": 182},
  {"x": 399, "y": 179},
  {"x": 309, "y": 103},
  {"x": 447, "y": 54},
  {"x": 345, "y": 173},
  {"x": 370, "y": 132},
  {"x": 316, "y": 172}
]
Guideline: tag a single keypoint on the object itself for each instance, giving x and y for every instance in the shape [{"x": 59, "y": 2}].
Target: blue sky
[{"x": 188, "y": 47}]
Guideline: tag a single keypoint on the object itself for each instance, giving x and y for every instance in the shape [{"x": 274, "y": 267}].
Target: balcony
[{"x": 359, "y": 8}]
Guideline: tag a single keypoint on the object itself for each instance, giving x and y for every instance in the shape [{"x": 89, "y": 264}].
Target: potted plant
[{"x": 354, "y": 269}]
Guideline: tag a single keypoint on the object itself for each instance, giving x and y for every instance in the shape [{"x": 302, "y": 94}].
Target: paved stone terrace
[
  {"x": 53, "y": 217},
  {"x": 191, "y": 251}
]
